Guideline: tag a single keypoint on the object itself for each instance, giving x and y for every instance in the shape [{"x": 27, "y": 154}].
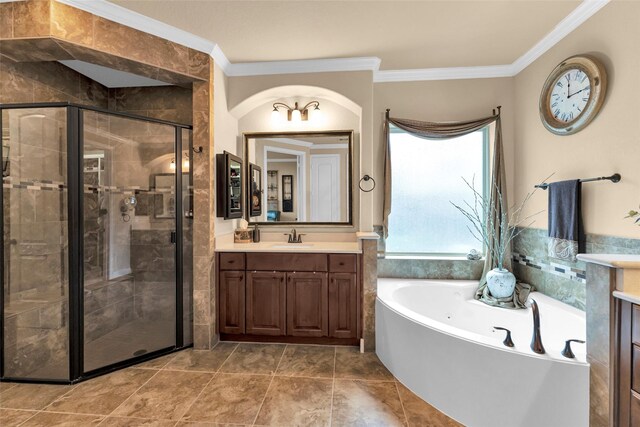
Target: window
[{"x": 426, "y": 176}]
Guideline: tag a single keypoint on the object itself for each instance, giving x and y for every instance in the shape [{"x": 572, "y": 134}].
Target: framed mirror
[{"x": 307, "y": 179}]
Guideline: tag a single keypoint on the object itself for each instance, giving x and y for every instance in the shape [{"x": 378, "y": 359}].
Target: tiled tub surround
[
  {"x": 232, "y": 384},
  {"x": 414, "y": 268},
  {"x": 426, "y": 267},
  {"x": 532, "y": 264}
]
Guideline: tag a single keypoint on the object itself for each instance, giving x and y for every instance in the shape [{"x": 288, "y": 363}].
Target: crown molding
[
  {"x": 221, "y": 59},
  {"x": 138, "y": 21},
  {"x": 124, "y": 16},
  {"x": 304, "y": 66},
  {"x": 577, "y": 17},
  {"x": 451, "y": 73}
]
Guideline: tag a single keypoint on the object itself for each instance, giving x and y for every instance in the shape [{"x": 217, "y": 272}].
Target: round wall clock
[{"x": 573, "y": 94}]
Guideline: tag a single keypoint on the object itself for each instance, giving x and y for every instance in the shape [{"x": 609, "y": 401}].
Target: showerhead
[{"x": 130, "y": 202}]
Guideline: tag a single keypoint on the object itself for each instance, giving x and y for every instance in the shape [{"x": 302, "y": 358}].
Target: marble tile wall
[
  {"x": 172, "y": 103},
  {"x": 36, "y": 30},
  {"x": 456, "y": 269},
  {"x": 532, "y": 243},
  {"x": 24, "y": 82},
  {"x": 600, "y": 314},
  {"x": 204, "y": 293},
  {"x": 370, "y": 290},
  {"x": 430, "y": 269}
]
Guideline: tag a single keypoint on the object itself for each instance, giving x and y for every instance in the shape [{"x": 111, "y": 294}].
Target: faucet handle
[
  {"x": 507, "y": 341},
  {"x": 300, "y": 237},
  {"x": 567, "y": 349}
]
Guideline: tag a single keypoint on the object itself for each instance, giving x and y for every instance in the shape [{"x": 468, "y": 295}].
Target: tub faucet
[{"x": 536, "y": 340}]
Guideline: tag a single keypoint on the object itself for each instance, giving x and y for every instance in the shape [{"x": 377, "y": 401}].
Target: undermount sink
[{"x": 291, "y": 246}]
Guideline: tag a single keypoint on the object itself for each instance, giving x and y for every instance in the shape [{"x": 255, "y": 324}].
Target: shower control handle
[{"x": 507, "y": 341}]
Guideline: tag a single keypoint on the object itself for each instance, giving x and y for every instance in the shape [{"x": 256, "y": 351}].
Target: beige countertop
[
  {"x": 627, "y": 297},
  {"x": 612, "y": 260},
  {"x": 311, "y": 247}
]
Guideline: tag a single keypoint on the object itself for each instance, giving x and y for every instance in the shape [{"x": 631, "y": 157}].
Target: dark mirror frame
[
  {"x": 337, "y": 133},
  {"x": 251, "y": 192}
]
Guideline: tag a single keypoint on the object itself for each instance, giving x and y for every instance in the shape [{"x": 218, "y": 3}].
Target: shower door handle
[{"x": 173, "y": 237}]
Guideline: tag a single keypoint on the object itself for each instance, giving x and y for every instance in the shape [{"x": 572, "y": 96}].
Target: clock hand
[{"x": 576, "y": 92}]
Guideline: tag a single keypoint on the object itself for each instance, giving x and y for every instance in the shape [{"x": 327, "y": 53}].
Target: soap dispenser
[{"x": 256, "y": 234}]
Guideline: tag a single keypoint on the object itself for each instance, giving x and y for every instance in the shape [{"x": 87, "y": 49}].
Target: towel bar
[{"x": 613, "y": 178}]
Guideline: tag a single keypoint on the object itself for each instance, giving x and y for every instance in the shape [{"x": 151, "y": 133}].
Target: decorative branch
[{"x": 491, "y": 223}]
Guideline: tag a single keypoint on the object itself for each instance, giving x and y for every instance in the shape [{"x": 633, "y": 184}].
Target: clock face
[
  {"x": 573, "y": 94},
  {"x": 570, "y": 95}
]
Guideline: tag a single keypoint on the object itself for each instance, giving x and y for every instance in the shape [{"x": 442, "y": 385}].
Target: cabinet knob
[{"x": 341, "y": 263}]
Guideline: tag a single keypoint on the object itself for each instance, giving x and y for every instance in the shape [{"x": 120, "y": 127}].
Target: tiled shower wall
[{"x": 564, "y": 281}]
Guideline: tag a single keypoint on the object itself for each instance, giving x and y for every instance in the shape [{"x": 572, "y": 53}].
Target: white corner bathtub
[{"x": 440, "y": 343}]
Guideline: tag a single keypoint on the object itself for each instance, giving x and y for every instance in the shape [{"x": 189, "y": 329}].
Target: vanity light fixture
[
  {"x": 295, "y": 114},
  {"x": 185, "y": 163}
]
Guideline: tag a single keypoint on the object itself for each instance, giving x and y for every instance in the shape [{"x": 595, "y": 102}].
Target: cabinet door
[
  {"x": 343, "y": 305},
  {"x": 307, "y": 304},
  {"x": 232, "y": 301},
  {"x": 266, "y": 303}
]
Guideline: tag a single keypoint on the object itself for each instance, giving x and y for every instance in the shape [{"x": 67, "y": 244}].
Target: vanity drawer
[
  {"x": 635, "y": 324},
  {"x": 269, "y": 261},
  {"x": 231, "y": 261},
  {"x": 342, "y": 263}
]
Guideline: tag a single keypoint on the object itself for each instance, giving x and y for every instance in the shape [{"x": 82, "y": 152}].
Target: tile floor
[{"x": 233, "y": 384}]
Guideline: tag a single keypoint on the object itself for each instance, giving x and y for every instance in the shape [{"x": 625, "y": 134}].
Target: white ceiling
[{"x": 403, "y": 34}]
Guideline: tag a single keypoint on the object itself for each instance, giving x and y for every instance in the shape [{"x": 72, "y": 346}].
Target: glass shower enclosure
[{"x": 96, "y": 254}]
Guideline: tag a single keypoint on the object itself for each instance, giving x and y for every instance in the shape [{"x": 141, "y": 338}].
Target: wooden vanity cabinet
[
  {"x": 307, "y": 304},
  {"x": 266, "y": 304},
  {"x": 628, "y": 358},
  {"x": 289, "y": 297},
  {"x": 343, "y": 305},
  {"x": 232, "y": 308}
]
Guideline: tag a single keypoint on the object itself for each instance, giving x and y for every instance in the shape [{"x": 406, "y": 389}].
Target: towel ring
[{"x": 367, "y": 178}]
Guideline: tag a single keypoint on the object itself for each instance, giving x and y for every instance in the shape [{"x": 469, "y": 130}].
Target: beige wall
[
  {"x": 609, "y": 144},
  {"x": 225, "y": 134}
]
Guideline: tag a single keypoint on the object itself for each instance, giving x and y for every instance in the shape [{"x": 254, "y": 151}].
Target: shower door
[
  {"x": 129, "y": 214},
  {"x": 35, "y": 279}
]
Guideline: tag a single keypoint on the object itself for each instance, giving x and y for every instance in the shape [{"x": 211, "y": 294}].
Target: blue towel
[{"x": 566, "y": 236}]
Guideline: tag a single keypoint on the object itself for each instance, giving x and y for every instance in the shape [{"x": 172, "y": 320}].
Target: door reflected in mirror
[{"x": 307, "y": 177}]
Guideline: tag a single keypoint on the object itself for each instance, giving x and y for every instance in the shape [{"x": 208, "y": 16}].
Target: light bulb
[
  {"x": 172, "y": 165},
  {"x": 185, "y": 164},
  {"x": 296, "y": 116},
  {"x": 275, "y": 115},
  {"x": 316, "y": 115}
]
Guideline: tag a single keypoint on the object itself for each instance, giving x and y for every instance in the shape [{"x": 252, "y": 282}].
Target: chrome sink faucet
[
  {"x": 294, "y": 237},
  {"x": 536, "y": 340}
]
